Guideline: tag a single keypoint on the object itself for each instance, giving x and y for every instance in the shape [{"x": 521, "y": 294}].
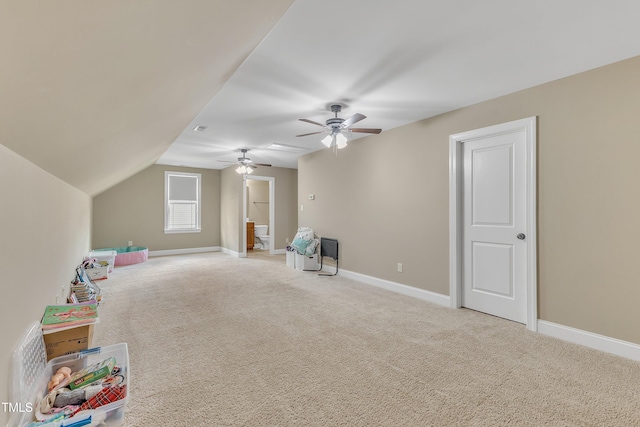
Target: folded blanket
[{"x": 105, "y": 396}]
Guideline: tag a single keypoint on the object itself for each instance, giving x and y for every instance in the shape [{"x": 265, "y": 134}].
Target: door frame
[
  {"x": 272, "y": 211},
  {"x": 456, "y": 183}
]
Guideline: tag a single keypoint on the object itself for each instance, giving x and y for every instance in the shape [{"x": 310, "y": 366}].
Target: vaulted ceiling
[{"x": 94, "y": 92}]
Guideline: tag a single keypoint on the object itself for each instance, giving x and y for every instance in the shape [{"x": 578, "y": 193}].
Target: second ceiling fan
[
  {"x": 336, "y": 126},
  {"x": 245, "y": 164}
]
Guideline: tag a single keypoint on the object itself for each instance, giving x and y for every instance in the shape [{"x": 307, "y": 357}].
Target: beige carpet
[{"x": 220, "y": 341}]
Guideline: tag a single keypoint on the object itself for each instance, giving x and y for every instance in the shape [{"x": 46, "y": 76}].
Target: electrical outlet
[
  {"x": 301, "y": 207},
  {"x": 57, "y": 299},
  {"x": 130, "y": 243},
  {"x": 399, "y": 267}
]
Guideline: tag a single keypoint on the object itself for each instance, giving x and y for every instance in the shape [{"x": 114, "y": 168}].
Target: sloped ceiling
[
  {"x": 95, "y": 91},
  {"x": 396, "y": 62}
]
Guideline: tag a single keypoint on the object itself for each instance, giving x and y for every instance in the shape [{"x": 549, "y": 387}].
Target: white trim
[
  {"x": 455, "y": 219},
  {"x": 272, "y": 211},
  {"x": 184, "y": 251},
  {"x": 279, "y": 251},
  {"x": 182, "y": 230},
  {"x": 589, "y": 339},
  {"x": 531, "y": 127},
  {"x": 610, "y": 345},
  {"x": 198, "y": 177},
  {"x": 393, "y": 286},
  {"x": 455, "y": 212},
  {"x": 243, "y": 242},
  {"x": 233, "y": 253}
]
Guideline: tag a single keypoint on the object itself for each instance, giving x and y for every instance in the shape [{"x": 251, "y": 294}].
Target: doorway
[
  {"x": 492, "y": 238},
  {"x": 261, "y": 207}
]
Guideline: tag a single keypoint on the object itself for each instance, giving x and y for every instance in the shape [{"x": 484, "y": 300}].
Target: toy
[
  {"x": 61, "y": 374},
  {"x": 92, "y": 373}
]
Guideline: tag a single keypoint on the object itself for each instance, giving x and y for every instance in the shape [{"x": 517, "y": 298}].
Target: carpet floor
[{"x": 216, "y": 340}]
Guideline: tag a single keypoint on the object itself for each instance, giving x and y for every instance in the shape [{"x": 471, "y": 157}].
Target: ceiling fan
[
  {"x": 335, "y": 127},
  {"x": 245, "y": 164}
]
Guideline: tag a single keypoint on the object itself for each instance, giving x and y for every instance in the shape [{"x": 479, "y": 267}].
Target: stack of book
[
  {"x": 66, "y": 316},
  {"x": 84, "y": 289}
]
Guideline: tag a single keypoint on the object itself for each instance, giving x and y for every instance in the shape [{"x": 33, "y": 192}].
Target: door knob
[{"x": 521, "y": 236}]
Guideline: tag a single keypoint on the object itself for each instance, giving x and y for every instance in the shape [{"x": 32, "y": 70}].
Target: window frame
[{"x": 167, "y": 201}]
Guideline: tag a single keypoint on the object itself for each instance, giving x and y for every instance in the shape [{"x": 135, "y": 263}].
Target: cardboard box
[{"x": 68, "y": 341}]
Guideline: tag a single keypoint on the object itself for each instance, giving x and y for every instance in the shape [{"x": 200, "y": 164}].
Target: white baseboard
[
  {"x": 275, "y": 251},
  {"x": 393, "y": 286},
  {"x": 610, "y": 345},
  {"x": 230, "y": 252},
  {"x": 589, "y": 339},
  {"x": 615, "y": 346},
  {"x": 240, "y": 255},
  {"x": 184, "y": 251}
]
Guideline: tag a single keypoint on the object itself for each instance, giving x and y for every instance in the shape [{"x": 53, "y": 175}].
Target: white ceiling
[
  {"x": 397, "y": 62},
  {"x": 96, "y": 91}
]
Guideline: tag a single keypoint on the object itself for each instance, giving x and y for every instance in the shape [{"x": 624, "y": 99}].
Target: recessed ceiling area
[{"x": 397, "y": 63}]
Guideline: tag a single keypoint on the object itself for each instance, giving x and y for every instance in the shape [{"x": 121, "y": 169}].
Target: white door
[{"x": 495, "y": 258}]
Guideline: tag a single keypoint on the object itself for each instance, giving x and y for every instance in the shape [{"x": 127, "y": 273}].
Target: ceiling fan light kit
[
  {"x": 337, "y": 139},
  {"x": 244, "y": 169},
  {"x": 335, "y": 126},
  {"x": 245, "y": 164}
]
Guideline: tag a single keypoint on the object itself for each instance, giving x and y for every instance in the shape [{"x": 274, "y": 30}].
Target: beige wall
[
  {"x": 44, "y": 228},
  {"x": 258, "y": 201},
  {"x": 385, "y": 197},
  {"x": 286, "y": 191},
  {"x": 286, "y": 216},
  {"x": 134, "y": 210},
  {"x": 231, "y": 221}
]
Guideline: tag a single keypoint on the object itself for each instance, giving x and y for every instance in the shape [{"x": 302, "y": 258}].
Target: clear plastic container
[
  {"x": 106, "y": 255},
  {"x": 31, "y": 376}
]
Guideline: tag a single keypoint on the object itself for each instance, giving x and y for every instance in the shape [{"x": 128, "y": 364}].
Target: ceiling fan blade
[
  {"x": 365, "y": 130},
  {"x": 262, "y": 164},
  {"x": 226, "y": 161},
  {"x": 312, "y": 122},
  {"x": 307, "y": 134},
  {"x": 353, "y": 119}
]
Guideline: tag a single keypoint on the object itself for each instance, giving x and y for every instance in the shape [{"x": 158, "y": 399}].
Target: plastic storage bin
[
  {"x": 291, "y": 259},
  {"x": 306, "y": 263},
  {"x": 109, "y": 256},
  {"x": 32, "y": 374}
]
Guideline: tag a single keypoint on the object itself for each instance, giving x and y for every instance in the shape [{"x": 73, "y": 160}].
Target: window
[{"x": 182, "y": 202}]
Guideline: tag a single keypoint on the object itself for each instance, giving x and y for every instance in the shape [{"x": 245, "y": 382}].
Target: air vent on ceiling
[{"x": 199, "y": 128}]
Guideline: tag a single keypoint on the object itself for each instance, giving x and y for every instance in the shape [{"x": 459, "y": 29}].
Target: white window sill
[{"x": 186, "y": 230}]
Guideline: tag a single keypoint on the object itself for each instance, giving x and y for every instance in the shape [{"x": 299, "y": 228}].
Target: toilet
[{"x": 261, "y": 234}]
